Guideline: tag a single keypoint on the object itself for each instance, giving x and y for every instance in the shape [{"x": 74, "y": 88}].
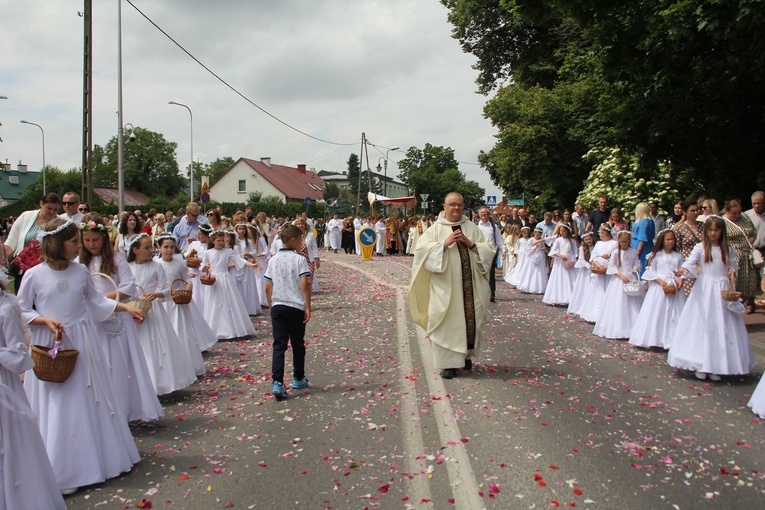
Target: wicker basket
[
  {"x": 142, "y": 303},
  {"x": 731, "y": 294},
  {"x": 635, "y": 288},
  {"x": 116, "y": 291},
  {"x": 56, "y": 369},
  {"x": 207, "y": 279},
  {"x": 193, "y": 262},
  {"x": 180, "y": 297},
  {"x": 670, "y": 289},
  {"x": 597, "y": 269},
  {"x": 759, "y": 303}
]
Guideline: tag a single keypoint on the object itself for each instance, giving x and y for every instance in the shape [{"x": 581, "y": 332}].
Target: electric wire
[{"x": 231, "y": 87}]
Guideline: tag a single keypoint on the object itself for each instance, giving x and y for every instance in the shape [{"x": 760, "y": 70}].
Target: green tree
[
  {"x": 56, "y": 181},
  {"x": 331, "y": 190},
  {"x": 434, "y": 170},
  {"x": 149, "y": 164},
  {"x": 353, "y": 176},
  {"x": 214, "y": 169}
]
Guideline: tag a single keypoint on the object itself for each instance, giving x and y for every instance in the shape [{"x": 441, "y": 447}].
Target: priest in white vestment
[
  {"x": 335, "y": 230},
  {"x": 451, "y": 267},
  {"x": 380, "y": 229}
]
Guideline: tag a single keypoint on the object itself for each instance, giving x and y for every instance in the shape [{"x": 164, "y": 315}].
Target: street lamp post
[
  {"x": 43, "y": 149},
  {"x": 385, "y": 162},
  {"x": 191, "y": 161},
  {"x": 120, "y": 129}
]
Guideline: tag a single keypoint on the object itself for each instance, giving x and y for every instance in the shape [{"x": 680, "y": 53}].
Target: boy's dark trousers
[{"x": 288, "y": 326}]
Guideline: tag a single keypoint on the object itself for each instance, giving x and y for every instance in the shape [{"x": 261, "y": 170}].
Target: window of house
[{"x": 242, "y": 186}]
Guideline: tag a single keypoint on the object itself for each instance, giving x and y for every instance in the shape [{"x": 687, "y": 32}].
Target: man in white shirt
[
  {"x": 494, "y": 235},
  {"x": 335, "y": 228},
  {"x": 581, "y": 219},
  {"x": 658, "y": 221},
  {"x": 71, "y": 202},
  {"x": 757, "y": 215}
]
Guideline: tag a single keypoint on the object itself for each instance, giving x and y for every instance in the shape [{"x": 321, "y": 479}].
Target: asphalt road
[{"x": 550, "y": 417}]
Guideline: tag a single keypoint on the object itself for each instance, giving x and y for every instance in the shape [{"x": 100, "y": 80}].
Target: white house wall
[{"x": 226, "y": 189}]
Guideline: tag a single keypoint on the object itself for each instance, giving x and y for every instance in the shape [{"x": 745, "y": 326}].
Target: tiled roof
[
  {"x": 112, "y": 195},
  {"x": 13, "y": 191},
  {"x": 295, "y": 183}
]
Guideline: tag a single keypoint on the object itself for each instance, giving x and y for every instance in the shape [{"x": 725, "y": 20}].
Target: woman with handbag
[
  {"x": 24, "y": 231},
  {"x": 741, "y": 233}
]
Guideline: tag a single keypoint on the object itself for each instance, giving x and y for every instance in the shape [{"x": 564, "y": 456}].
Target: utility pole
[{"x": 87, "y": 105}]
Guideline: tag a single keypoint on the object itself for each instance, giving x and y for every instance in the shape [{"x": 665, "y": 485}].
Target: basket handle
[
  {"x": 179, "y": 280},
  {"x": 141, "y": 289},
  {"x": 114, "y": 284},
  {"x": 731, "y": 282}
]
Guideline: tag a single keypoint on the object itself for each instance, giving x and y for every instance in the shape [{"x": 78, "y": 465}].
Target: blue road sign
[
  {"x": 368, "y": 236},
  {"x": 307, "y": 202},
  {"x": 491, "y": 201}
]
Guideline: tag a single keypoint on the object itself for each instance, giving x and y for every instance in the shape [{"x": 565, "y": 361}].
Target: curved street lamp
[
  {"x": 385, "y": 182},
  {"x": 191, "y": 161},
  {"x": 43, "y": 149}
]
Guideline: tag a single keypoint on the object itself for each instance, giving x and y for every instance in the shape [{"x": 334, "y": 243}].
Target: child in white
[
  {"x": 655, "y": 326},
  {"x": 596, "y": 290},
  {"x": 520, "y": 254},
  {"x": 510, "y": 235},
  {"x": 619, "y": 311},
  {"x": 246, "y": 249},
  {"x": 578, "y": 302},
  {"x": 169, "y": 362},
  {"x": 261, "y": 257},
  {"x": 198, "y": 248},
  {"x": 224, "y": 310},
  {"x": 710, "y": 338},
  {"x": 85, "y": 433},
  {"x": 25, "y": 472},
  {"x": 532, "y": 278},
  {"x": 563, "y": 252},
  {"x": 122, "y": 348},
  {"x": 187, "y": 320},
  {"x": 311, "y": 252}
]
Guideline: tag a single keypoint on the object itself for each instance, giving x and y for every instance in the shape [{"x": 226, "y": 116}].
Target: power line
[{"x": 195, "y": 59}]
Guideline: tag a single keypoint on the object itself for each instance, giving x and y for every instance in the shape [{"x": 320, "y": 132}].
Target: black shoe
[
  {"x": 493, "y": 299},
  {"x": 449, "y": 373},
  {"x": 468, "y": 364}
]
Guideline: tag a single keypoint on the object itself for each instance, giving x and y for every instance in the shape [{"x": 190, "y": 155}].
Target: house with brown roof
[{"x": 250, "y": 176}]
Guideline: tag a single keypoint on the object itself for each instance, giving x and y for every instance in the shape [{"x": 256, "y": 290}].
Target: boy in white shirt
[{"x": 288, "y": 291}]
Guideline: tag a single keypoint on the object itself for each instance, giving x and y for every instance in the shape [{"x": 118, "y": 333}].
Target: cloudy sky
[{"x": 330, "y": 68}]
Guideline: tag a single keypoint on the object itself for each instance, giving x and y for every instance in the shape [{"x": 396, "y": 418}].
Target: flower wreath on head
[
  {"x": 163, "y": 237},
  {"x": 93, "y": 226},
  {"x": 137, "y": 239}
]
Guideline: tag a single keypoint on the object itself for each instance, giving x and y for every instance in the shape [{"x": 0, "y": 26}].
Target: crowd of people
[{"x": 141, "y": 299}]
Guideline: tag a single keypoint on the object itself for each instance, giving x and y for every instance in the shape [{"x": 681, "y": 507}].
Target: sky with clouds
[{"x": 330, "y": 68}]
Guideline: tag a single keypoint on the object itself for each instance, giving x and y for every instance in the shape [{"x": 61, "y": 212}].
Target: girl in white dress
[
  {"x": 564, "y": 249},
  {"x": 655, "y": 326},
  {"x": 168, "y": 359},
  {"x": 261, "y": 257},
  {"x": 619, "y": 311},
  {"x": 236, "y": 271},
  {"x": 118, "y": 335},
  {"x": 26, "y": 476},
  {"x": 510, "y": 235},
  {"x": 187, "y": 320},
  {"x": 224, "y": 310},
  {"x": 197, "y": 249},
  {"x": 596, "y": 290},
  {"x": 532, "y": 278},
  {"x": 578, "y": 302},
  {"x": 85, "y": 433},
  {"x": 520, "y": 255},
  {"x": 710, "y": 338},
  {"x": 311, "y": 252},
  {"x": 246, "y": 249}
]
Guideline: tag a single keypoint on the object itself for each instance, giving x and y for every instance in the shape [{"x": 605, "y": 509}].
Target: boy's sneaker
[
  {"x": 300, "y": 385},
  {"x": 278, "y": 391}
]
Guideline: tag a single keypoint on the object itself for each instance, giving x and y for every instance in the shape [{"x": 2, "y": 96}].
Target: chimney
[
  {"x": 267, "y": 161},
  {"x": 22, "y": 168},
  {"x": 301, "y": 169}
]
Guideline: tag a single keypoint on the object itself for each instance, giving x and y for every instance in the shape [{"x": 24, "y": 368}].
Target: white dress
[
  {"x": 122, "y": 349},
  {"x": 261, "y": 258},
  {"x": 709, "y": 337},
  {"x": 596, "y": 290},
  {"x": 520, "y": 254},
  {"x": 27, "y": 478},
  {"x": 380, "y": 230},
  {"x": 562, "y": 276},
  {"x": 509, "y": 255},
  {"x": 532, "y": 277},
  {"x": 200, "y": 291},
  {"x": 578, "y": 303},
  {"x": 249, "y": 282},
  {"x": 187, "y": 320},
  {"x": 757, "y": 400},
  {"x": 619, "y": 311},
  {"x": 224, "y": 310},
  {"x": 87, "y": 438},
  {"x": 313, "y": 255},
  {"x": 655, "y": 326},
  {"x": 168, "y": 359}
]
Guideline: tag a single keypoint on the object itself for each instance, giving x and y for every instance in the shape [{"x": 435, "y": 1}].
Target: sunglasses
[
  {"x": 82, "y": 209},
  {"x": 210, "y": 214},
  {"x": 70, "y": 203}
]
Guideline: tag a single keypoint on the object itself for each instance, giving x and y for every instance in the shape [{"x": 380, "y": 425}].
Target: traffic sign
[
  {"x": 368, "y": 241},
  {"x": 491, "y": 201},
  {"x": 205, "y": 198},
  {"x": 307, "y": 202}
]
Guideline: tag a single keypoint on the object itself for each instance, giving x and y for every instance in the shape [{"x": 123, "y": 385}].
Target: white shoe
[
  {"x": 70, "y": 491},
  {"x": 714, "y": 377},
  {"x": 701, "y": 376}
]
